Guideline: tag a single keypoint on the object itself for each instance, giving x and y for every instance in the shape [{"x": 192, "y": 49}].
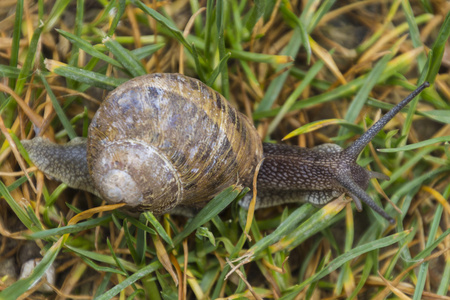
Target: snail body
[{"x": 163, "y": 141}]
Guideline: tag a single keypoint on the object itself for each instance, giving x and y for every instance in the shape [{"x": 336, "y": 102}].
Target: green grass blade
[
  {"x": 213, "y": 207},
  {"x": 158, "y": 227},
  {"x": 130, "y": 280},
  {"x": 165, "y": 22},
  {"x": 340, "y": 260},
  {"x": 43, "y": 234},
  {"x": 125, "y": 57},
  {"x": 256, "y": 12},
  {"x": 414, "y": 33},
  {"x": 16, "y": 37},
  {"x": 303, "y": 32},
  {"x": 9, "y": 72},
  {"x": 87, "y": 47},
  {"x": 148, "y": 50},
  {"x": 84, "y": 76},
  {"x": 218, "y": 70},
  {"x": 354, "y": 110},
  {"x": 120, "y": 9},
  {"x": 425, "y": 143},
  {"x": 18, "y": 288},
  {"x": 285, "y": 227},
  {"x": 438, "y": 49},
  {"x": 312, "y": 72},
  {"x": 442, "y": 116},
  {"x": 59, "y": 111},
  {"x": 58, "y": 9},
  {"x": 423, "y": 270},
  {"x": 18, "y": 210}
]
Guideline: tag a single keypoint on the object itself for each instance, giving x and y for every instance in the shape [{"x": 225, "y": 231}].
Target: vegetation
[{"x": 285, "y": 64}]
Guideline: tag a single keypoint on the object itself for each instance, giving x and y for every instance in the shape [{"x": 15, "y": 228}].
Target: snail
[{"x": 160, "y": 142}]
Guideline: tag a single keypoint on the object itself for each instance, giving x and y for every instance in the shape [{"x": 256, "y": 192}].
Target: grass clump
[{"x": 284, "y": 64}]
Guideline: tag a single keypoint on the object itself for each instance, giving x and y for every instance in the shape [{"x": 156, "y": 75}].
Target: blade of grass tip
[
  {"x": 341, "y": 259},
  {"x": 59, "y": 112},
  {"x": 214, "y": 207},
  {"x": 165, "y": 22},
  {"x": 312, "y": 72},
  {"x": 218, "y": 70},
  {"x": 159, "y": 228},
  {"x": 87, "y": 47},
  {"x": 125, "y": 57},
  {"x": 18, "y": 288},
  {"x": 120, "y": 10},
  {"x": 84, "y": 76},
  {"x": 438, "y": 49}
]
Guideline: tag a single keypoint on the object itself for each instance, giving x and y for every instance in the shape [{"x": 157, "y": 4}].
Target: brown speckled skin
[
  {"x": 198, "y": 137},
  {"x": 292, "y": 174}
]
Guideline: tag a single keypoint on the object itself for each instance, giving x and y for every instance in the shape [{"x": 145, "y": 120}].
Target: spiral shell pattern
[{"x": 162, "y": 140}]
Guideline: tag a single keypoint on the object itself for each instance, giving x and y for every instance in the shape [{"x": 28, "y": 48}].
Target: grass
[{"x": 285, "y": 64}]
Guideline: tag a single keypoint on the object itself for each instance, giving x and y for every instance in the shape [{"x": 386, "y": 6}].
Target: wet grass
[{"x": 286, "y": 65}]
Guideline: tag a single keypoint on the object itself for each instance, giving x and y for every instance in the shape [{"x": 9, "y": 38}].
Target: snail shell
[{"x": 163, "y": 140}]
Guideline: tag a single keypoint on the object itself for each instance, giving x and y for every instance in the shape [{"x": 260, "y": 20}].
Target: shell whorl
[{"x": 161, "y": 140}]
